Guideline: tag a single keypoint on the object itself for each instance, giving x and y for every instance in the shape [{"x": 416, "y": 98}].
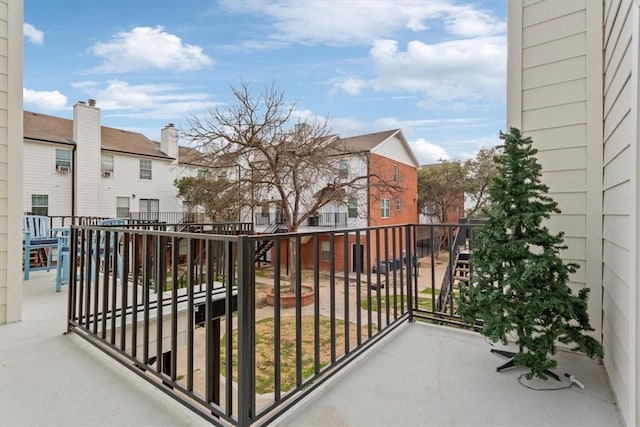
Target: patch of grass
[
  {"x": 264, "y": 350},
  {"x": 423, "y": 303}
]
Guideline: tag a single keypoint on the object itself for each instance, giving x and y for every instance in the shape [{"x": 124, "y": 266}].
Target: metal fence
[{"x": 192, "y": 314}]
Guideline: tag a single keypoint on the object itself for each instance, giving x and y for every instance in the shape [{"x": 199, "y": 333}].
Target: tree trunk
[{"x": 291, "y": 263}]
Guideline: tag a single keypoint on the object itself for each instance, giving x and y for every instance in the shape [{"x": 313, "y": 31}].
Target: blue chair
[
  {"x": 37, "y": 240},
  {"x": 110, "y": 253},
  {"x": 62, "y": 264}
]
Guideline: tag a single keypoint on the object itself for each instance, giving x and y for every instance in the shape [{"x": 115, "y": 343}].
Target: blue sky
[{"x": 435, "y": 69}]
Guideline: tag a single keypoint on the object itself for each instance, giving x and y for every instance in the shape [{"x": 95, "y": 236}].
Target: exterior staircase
[{"x": 264, "y": 245}]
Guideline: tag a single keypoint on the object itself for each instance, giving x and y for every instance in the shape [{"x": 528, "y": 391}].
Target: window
[
  {"x": 122, "y": 207},
  {"x": 107, "y": 165},
  {"x": 352, "y": 207},
  {"x": 398, "y": 204},
  {"x": 385, "y": 208},
  {"x": 149, "y": 208},
  {"x": 343, "y": 169},
  {"x": 202, "y": 173},
  {"x": 145, "y": 169},
  {"x": 63, "y": 160},
  {"x": 325, "y": 251},
  {"x": 395, "y": 173},
  {"x": 40, "y": 204}
]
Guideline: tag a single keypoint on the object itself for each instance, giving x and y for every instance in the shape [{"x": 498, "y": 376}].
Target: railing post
[
  {"x": 246, "y": 331},
  {"x": 409, "y": 269}
]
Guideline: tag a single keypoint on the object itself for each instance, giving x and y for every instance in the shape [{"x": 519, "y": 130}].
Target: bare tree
[{"x": 290, "y": 162}]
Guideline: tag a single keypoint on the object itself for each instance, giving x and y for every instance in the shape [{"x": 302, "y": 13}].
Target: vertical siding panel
[
  {"x": 11, "y": 13},
  {"x": 620, "y": 198},
  {"x": 556, "y": 96}
]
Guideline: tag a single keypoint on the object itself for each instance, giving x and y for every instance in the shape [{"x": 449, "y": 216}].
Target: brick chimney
[
  {"x": 86, "y": 165},
  {"x": 169, "y": 141}
]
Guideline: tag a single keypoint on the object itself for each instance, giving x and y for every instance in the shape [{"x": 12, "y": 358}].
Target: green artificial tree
[{"x": 519, "y": 284}]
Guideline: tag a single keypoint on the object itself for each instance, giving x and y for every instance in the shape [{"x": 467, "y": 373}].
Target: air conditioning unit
[
  {"x": 107, "y": 174},
  {"x": 63, "y": 169}
]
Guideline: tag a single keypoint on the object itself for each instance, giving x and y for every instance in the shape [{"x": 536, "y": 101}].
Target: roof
[
  {"x": 367, "y": 142},
  {"x": 42, "y": 127},
  {"x": 191, "y": 156},
  {"x": 371, "y": 141}
]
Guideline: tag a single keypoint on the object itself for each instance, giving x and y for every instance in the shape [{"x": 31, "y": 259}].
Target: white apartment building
[
  {"x": 574, "y": 86},
  {"x": 78, "y": 167}
]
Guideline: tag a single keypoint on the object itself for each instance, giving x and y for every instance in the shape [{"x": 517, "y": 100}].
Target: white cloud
[
  {"x": 34, "y": 35},
  {"x": 44, "y": 100},
  {"x": 351, "y": 86},
  {"x": 468, "y": 69},
  {"x": 120, "y": 98},
  {"x": 145, "y": 48},
  {"x": 427, "y": 152},
  {"x": 470, "y": 22},
  {"x": 358, "y": 22}
]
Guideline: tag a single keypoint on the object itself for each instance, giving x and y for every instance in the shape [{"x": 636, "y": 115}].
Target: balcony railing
[
  {"x": 170, "y": 217},
  {"x": 268, "y": 219},
  {"x": 181, "y": 309},
  {"x": 320, "y": 219},
  {"x": 328, "y": 219}
]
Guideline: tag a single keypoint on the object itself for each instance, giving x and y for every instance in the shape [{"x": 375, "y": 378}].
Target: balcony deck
[{"x": 419, "y": 375}]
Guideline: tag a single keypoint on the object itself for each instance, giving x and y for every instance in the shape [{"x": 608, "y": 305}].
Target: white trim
[
  {"x": 14, "y": 152},
  {"x": 514, "y": 64},
  {"x": 634, "y": 297},
  {"x": 594, "y": 67}
]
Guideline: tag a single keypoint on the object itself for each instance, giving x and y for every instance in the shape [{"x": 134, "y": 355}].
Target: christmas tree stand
[{"x": 510, "y": 363}]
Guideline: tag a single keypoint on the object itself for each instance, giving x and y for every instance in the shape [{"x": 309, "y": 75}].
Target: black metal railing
[
  {"x": 68, "y": 220},
  {"x": 207, "y": 338},
  {"x": 268, "y": 219},
  {"x": 171, "y": 217},
  {"x": 327, "y": 219}
]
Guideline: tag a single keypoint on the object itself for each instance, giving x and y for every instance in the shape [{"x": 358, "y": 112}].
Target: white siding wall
[
  {"x": 40, "y": 177},
  {"x": 395, "y": 150},
  {"x": 357, "y": 167},
  {"x": 11, "y": 20},
  {"x": 573, "y": 85},
  {"x": 126, "y": 182},
  {"x": 551, "y": 96},
  {"x": 620, "y": 203}
]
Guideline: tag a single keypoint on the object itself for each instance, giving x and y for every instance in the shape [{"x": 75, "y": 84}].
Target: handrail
[{"x": 446, "y": 287}]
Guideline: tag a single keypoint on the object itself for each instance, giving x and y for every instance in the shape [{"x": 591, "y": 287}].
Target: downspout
[
  {"x": 73, "y": 181},
  {"x": 369, "y": 204}
]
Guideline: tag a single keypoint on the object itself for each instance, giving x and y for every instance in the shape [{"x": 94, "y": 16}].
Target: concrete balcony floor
[{"x": 421, "y": 375}]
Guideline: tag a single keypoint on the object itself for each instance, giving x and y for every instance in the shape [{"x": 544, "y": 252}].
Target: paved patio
[{"x": 421, "y": 375}]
